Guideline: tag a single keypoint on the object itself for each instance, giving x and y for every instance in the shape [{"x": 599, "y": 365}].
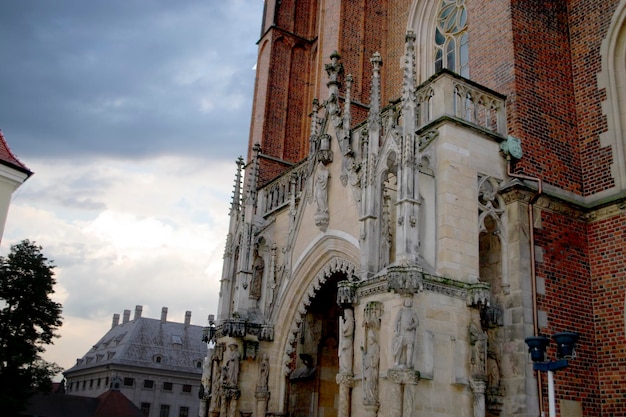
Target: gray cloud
[{"x": 127, "y": 79}]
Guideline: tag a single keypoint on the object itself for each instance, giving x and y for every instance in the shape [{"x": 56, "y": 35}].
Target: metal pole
[{"x": 551, "y": 402}]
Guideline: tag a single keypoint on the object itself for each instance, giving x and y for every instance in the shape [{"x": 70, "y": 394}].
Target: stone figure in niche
[
  {"x": 370, "y": 368},
  {"x": 404, "y": 338},
  {"x": 346, "y": 331},
  {"x": 321, "y": 194},
  {"x": 230, "y": 372},
  {"x": 478, "y": 350},
  {"x": 493, "y": 360},
  {"x": 258, "y": 266},
  {"x": 306, "y": 370},
  {"x": 264, "y": 372}
]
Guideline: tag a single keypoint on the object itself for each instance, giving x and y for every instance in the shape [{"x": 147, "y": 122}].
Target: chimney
[
  {"x": 138, "y": 310},
  {"x": 116, "y": 320},
  {"x": 187, "y": 318},
  {"x": 126, "y": 316},
  {"x": 163, "y": 314}
]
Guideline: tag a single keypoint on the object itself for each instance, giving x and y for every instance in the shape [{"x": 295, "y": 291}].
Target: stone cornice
[
  {"x": 557, "y": 202},
  {"x": 473, "y": 293}
]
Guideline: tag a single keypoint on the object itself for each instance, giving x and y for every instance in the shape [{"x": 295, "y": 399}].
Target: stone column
[
  {"x": 345, "y": 382},
  {"x": 346, "y": 297},
  {"x": 400, "y": 378},
  {"x": 478, "y": 388},
  {"x": 262, "y": 397},
  {"x": 371, "y": 357}
]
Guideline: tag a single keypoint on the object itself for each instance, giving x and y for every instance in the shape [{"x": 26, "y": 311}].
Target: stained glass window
[{"x": 451, "y": 46}]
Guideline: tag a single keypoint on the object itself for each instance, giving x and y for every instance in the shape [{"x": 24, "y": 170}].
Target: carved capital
[
  {"x": 403, "y": 376},
  {"x": 230, "y": 392},
  {"x": 262, "y": 394},
  {"x": 373, "y": 313},
  {"x": 346, "y": 379}
]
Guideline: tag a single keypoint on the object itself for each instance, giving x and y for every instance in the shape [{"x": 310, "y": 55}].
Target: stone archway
[{"x": 312, "y": 389}]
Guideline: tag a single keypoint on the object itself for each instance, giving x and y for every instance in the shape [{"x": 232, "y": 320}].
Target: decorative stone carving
[
  {"x": 489, "y": 203},
  {"x": 346, "y": 293},
  {"x": 404, "y": 337},
  {"x": 478, "y": 294},
  {"x": 403, "y": 376},
  {"x": 373, "y": 312},
  {"x": 405, "y": 279},
  {"x": 250, "y": 349},
  {"x": 324, "y": 154},
  {"x": 267, "y": 333},
  {"x": 512, "y": 147},
  {"x": 233, "y": 327}
]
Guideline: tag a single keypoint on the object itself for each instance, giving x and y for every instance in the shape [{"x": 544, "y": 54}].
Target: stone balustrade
[
  {"x": 448, "y": 95},
  {"x": 275, "y": 194}
]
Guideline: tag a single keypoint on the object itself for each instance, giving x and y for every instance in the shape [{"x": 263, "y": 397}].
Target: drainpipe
[{"x": 533, "y": 270}]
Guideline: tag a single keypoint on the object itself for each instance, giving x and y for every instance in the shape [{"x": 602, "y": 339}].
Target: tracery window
[{"x": 451, "y": 45}]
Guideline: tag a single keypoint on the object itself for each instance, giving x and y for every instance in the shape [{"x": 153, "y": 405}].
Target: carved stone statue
[
  {"x": 346, "y": 340},
  {"x": 404, "y": 338},
  {"x": 370, "y": 368},
  {"x": 264, "y": 372},
  {"x": 478, "y": 351},
  {"x": 321, "y": 195},
  {"x": 258, "y": 267},
  {"x": 230, "y": 373}
]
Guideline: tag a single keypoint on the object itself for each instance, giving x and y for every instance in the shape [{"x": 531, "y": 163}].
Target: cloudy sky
[{"x": 131, "y": 113}]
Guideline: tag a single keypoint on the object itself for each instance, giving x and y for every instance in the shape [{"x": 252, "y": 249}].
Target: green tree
[{"x": 28, "y": 321}]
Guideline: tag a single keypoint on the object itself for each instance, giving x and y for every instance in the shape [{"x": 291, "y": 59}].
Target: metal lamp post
[{"x": 537, "y": 345}]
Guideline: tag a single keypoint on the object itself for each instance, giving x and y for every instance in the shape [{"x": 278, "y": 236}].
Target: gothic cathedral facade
[{"x": 428, "y": 184}]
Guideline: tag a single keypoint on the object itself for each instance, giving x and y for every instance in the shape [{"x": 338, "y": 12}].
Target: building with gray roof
[{"x": 157, "y": 363}]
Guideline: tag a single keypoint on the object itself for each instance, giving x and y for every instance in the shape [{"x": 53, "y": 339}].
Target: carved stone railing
[
  {"x": 240, "y": 328},
  {"x": 275, "y": 194},
  {"x": 448, "y": 95}
]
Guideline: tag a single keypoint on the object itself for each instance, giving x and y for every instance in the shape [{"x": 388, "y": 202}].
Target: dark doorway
[{"x": 313, "y": 389}]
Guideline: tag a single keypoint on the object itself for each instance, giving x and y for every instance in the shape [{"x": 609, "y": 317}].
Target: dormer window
[{"x": 158, "y": 359}]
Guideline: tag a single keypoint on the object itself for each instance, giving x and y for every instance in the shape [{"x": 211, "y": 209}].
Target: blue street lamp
[{"x": 565, "y": 343}]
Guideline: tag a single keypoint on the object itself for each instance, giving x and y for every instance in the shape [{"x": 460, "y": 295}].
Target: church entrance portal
[{"x": 313, "y": 389}]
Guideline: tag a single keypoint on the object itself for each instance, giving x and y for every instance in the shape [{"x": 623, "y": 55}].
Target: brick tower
[{"x": 429, "y": 184}]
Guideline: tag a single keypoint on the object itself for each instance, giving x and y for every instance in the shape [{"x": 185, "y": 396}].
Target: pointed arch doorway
[{"x": 312, "y": 388}]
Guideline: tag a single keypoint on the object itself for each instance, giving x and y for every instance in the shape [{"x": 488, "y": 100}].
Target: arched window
[{"x": 451, "y": 46}]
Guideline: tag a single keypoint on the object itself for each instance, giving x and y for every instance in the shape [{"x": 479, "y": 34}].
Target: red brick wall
[
  {"x": 568, "y": 304},
  {"x": 607, "y": 248},
  {"x": 289, "y": 89},
  {"x": 589, "y": 22},
  {"x": 545, "y": 106}
]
